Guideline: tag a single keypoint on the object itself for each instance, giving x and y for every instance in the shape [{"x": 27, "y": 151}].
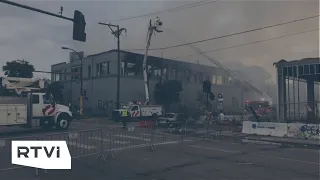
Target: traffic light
[
  {"x": 206, "y": 86},
  {"x": 79, "y": 26}
]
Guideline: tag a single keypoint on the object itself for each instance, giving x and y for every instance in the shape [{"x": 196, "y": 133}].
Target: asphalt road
[{"x": 194, "y": 160}]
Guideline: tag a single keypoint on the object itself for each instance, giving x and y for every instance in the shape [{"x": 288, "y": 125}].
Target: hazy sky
[{"x": 38, "y": 38}]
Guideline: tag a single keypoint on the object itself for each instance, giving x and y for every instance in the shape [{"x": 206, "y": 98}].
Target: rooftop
[{"x": 304, "y": 61}]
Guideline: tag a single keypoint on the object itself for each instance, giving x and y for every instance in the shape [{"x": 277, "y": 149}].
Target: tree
[
  {"x": 18, "y": 68},
  {"x": 55, "y": 89},
  {"x": 167, "y": 92}
]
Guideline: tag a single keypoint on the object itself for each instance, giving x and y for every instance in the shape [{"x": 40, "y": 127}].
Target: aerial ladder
[
  {"x": 22, "y": 85},
  {"x": 152, "y": 29}
]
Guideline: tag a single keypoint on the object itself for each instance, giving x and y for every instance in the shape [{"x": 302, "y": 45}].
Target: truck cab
[{"x": 50, "y": 113}]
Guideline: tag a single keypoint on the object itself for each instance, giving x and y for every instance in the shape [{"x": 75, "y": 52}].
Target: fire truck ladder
[{"x": 234, "y": 75}]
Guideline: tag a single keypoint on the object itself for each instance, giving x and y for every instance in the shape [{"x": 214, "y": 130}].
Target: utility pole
[
  {"x": 117, "y": 34},
  {"x": 152, "y": 29}
]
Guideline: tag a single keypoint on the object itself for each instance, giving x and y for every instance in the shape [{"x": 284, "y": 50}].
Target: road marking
[
  {"x": 288, "y": 159},
  {"x": 108, "y": 140},
  {"x": 214, "y": 149},
  {"x": 132, "y": 137},
  {"x": 245, "y": 163},
  {"x": 146, "y": 145},
  {"x": 255, "y": 154},
  {"x": 84, "y": 146}
]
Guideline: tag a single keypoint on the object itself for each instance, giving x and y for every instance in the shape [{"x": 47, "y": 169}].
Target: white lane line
[
  {"x": 132, "y": 137},
  {"x": 256, "y": 154},
  {"x": 108, "y": 140},
  {"x": 214, "y": 149},
  {"x": 78, "y": 145},
  {"x": 146, "y": 145},
  {"x": 287, "y": 159}
]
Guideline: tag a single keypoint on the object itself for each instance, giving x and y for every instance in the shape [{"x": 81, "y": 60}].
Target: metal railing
[
  {"x": 99, "y": 142},
  {"x": 5, "y": 152},
  {"x": 293, "y": 112},
  {"x": 107, "y": 143}
]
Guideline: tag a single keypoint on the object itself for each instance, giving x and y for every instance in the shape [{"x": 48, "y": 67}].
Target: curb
[
  {"x": 300, "y": 144},
  {"x": 240, "y": 138}
]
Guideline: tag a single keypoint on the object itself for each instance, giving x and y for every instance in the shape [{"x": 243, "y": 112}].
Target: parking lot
[{"x": 128, "y": 155}]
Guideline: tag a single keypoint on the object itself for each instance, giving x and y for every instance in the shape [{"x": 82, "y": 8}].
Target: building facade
[{"x": 100, "y": 80}]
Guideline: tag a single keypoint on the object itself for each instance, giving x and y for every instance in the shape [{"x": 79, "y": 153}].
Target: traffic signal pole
[
  {"x": 78, "y": 21},
  {"x": 35, "y": 9}
]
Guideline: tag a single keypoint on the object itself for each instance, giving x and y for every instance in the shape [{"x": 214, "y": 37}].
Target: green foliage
[
  {"x": 18, "y": 68},
  {"x": 167, "y": 92}
]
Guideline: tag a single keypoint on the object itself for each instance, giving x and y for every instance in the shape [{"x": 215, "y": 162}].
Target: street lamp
[{"x": 81, "y": 78}]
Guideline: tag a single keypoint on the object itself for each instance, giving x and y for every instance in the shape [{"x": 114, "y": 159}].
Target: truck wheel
[{"x": 63, "y": 121}]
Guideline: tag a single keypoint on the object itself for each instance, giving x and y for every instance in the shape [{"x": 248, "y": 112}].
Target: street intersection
[{"x": 127, "y": 155}]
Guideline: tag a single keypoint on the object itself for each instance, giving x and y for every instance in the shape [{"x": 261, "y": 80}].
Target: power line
[
  {"x": 246, "y": 44},
  {"x": 187, "y": 6},
  {"x": 233, "y": 34}
]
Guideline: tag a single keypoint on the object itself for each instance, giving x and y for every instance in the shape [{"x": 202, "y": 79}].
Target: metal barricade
[
  {"x": 5, "y": 152},
  {"x": 136, "y": 136},
  {"x": 208, "y": 130},
  {"x": 80, "y": 143}
]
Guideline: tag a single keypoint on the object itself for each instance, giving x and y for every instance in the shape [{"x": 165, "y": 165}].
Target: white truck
[
  {"x": 34, "y": 107},
  {"x": 139, "y": 111}
]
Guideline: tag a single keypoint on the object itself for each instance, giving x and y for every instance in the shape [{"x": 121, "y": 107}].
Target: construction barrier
[
  {"x": 295, "y": 130},
  {"x": 265, "y": 128},
  {"x": 300, "y": 130}
]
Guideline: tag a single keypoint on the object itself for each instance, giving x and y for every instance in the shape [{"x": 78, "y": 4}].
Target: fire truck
[
  {"x": 26, "y": 106},
  {"x": 262, "y": 108}
]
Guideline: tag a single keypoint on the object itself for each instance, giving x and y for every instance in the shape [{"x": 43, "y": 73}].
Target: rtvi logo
[{"x": 41, "y": 154}]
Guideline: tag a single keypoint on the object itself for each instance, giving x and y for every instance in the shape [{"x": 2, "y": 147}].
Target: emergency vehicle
[
  {"x": 138, "y": 111},
  {"x": 29, "y": 107},
  {"x": 260, "y": 107}
]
